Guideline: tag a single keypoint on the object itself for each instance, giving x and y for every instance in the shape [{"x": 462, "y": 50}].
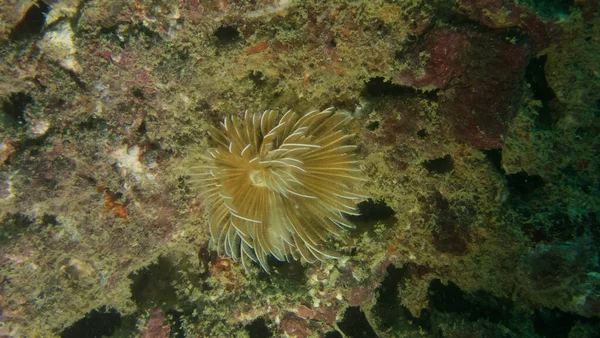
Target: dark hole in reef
[
  {"x": 378, "y": 87},
  {"x": 388, "y": 292},
  {"x": 142, "y": 129},
  {"x": 401, "y": 54},
  {"x": 355, "y": 323},
  {"x": 205, "y": 256},
  {"x": 183, "y": 185},
  {"x": 494, "y": 156},
  {"x": 474, "y": 306},
  {"x": 93, "y": 123},
  {"x": 371, "y": 211},
  {"x": 95, "y": 324},
  {"x": 227, "y": 34},
  {"x": 113, "y": 35},
  {"x": 447, "y": 298},
  {"x": 282, "y": 273},
  {"x": 410, "y": 38},
  {"x": 536, "y": 77},
  {"x": 32, "y": 23},
  {"x": 14, "y": 225},
  {"x": 33, "y": 148},
  {"x": 333, "y": 334},
  {"x": 152, "y": 36},
  {"x": 332, "y": 44},
  {"x": 14, "y": 107},
  {"x": 259, "y": 329},
  {"x": 553, "y": 323},
  {"x": 137, "y": 92},
  {"x": 450, "y": 235},
  {"x": 373, "y": 125},
  {"x": 389, "y": 308},
  {"x": 49, "y": 220},
  {"x": 257, "y": 77},
  {"x": 523, "y": 185},
  {"x": 152, "y": 286},
  {"x": 286, "y": 271},
  {"x": 422, "y": 134},
  {"x": 382, "y": 29},
  {"x": 441, "y": 165}
]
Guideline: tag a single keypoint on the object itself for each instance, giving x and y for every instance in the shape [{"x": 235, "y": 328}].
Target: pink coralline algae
[
  {"x": 480, "y": 75},
  {"x": 445, "y": 47},
  {"x": 483, "y": 101}
]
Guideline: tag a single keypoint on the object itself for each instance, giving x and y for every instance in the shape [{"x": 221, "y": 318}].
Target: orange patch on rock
[
  {"x": 257, "y": 48},
  {"x": 116, "y": 208}
]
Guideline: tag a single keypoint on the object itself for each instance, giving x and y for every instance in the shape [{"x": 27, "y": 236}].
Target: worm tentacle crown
[{"x": 279, "y": 187}]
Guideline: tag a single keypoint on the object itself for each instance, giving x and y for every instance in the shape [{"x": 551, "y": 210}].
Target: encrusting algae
[{"x": 279, "y": 187}]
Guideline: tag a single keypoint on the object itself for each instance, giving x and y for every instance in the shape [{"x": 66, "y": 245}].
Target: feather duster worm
[{"x": 279, "y": 187}]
